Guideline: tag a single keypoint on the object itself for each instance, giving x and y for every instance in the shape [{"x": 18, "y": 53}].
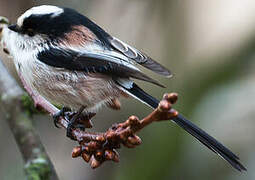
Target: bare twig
[{"x": 100, "y": 147}]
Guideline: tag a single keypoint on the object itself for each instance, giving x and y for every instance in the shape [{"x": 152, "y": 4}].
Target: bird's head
[
  {"x": 48, "y": 21},
  {"x": 45, "y": 25}
]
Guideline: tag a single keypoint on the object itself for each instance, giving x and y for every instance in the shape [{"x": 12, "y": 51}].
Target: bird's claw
[
  {"x": 73, "y": 124},
  {"x": 74, "y": 120},
  {"x": 59, "y": 114},
  {"x": 73, "y": 117},
  {"x": 69, "y": 130},
  {"x": 56, "y": 122}
]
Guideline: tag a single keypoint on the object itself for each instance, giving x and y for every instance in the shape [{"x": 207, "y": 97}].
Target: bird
[{"x": 70, "y": 60}]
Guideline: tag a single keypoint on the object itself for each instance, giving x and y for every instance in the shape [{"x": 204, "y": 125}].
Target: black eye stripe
[
  {"x": 30, "y": 32},
  {"x": 22, "y": 30}
]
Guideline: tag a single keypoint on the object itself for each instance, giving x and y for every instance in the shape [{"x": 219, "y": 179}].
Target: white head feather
[{"x": 40, "y": 10}]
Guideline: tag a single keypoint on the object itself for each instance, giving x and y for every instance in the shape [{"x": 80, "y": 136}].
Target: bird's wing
[
  {"x": 133, "y": 54},
  {"x": 138, "y": 56},
  {"x": 93, "y": 62}
]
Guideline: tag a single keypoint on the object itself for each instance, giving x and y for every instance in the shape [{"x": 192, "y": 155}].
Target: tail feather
[
  {"x": 191, "y": 128},
  {"x": 209, "y": 141}
]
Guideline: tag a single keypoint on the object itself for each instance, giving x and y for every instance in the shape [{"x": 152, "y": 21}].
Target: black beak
[{"x": 14, "y": 28}]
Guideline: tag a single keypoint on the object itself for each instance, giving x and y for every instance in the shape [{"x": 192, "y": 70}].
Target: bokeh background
[{"x": 210, "y": 48}]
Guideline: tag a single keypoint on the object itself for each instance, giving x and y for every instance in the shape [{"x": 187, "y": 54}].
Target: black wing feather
[
  {"x": 139, "y": 57},
  {"x": 111, "y": 42},
  {"x": 92, "y": 62}
]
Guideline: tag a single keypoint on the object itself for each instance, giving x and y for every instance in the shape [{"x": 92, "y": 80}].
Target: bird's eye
[{"x": 30, "y": 32}]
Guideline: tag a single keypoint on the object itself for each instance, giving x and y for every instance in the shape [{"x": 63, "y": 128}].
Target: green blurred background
[{"x": 210, "y": 48}]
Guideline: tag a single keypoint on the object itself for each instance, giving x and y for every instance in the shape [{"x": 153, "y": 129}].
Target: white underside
[{"x": 60, "y": 86}]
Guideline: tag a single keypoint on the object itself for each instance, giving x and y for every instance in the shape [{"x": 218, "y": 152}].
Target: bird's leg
[
  {"x": 77, "y": 119},
  {"x": 73, "y": 121},
  {"x": 61, "y": 113}
]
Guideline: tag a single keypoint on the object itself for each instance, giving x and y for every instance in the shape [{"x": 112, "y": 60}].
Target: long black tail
[{"x": 192, "y": 129}]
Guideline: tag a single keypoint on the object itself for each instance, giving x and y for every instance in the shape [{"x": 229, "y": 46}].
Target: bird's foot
[
  {"x": 73, "y": 121},
  {"x": 79, "y": 120},
  {"x": 62, "y": 113},
  {"x": 69, "y": 129}
]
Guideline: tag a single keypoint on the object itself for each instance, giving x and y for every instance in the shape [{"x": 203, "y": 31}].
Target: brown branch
[{"x": 100, "y": 147}]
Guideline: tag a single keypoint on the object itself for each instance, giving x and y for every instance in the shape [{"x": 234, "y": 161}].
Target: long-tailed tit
[{"x": 71, "y": 61}]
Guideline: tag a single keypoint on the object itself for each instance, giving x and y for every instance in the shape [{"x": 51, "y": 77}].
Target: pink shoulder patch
[{"x": 80, "y": 35}]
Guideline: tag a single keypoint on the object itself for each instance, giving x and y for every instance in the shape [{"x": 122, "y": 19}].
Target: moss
[
  {"x": 28, "y": 105},
  {"x": 58, "y": 106},
  {"x": 38, "y": 169}
]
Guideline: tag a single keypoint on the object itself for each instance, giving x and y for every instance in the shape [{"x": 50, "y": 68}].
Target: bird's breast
[{"x": 73, "y": 88}]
